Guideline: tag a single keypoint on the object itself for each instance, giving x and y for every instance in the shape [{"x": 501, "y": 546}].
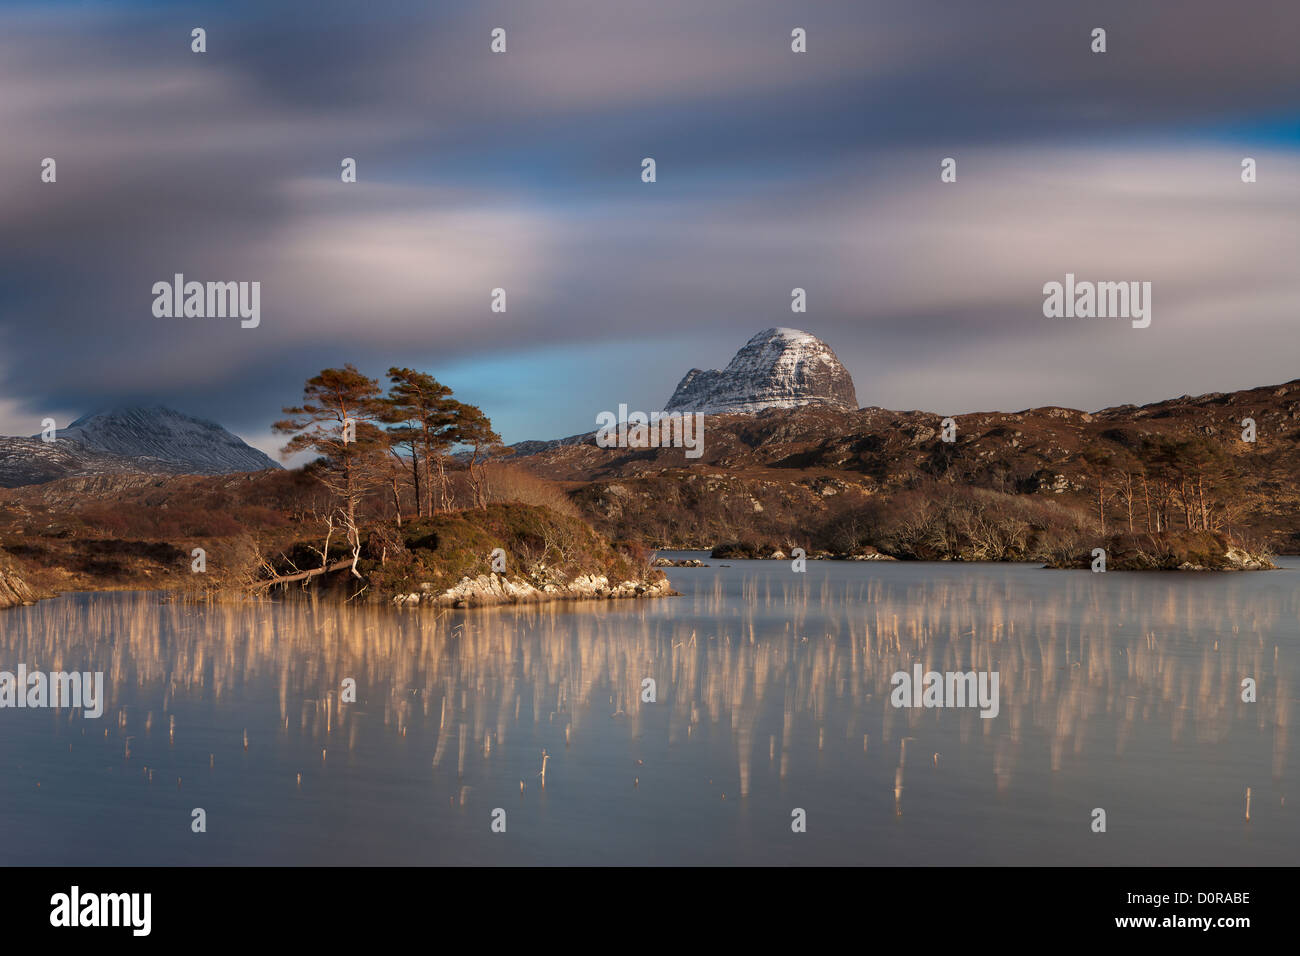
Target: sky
[{"x": 522, "y": 170}]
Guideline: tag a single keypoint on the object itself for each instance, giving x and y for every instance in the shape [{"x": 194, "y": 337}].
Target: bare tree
[
  {"x": 1098, "y": 464},
  {"x": 474, "y": 430}
]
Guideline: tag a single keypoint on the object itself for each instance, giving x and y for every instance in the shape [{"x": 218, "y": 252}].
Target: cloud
[{"x": 522, "y": 171}]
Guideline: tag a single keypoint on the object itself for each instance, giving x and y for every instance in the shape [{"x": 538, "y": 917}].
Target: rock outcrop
[
  {"x": 14, "y": 590},
  {"x": 777, "y": 368},
  {"x": 489, "y": 589}
]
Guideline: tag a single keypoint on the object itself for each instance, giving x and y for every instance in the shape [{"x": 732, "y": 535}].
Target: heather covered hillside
[{"x": 837, "y": 480}]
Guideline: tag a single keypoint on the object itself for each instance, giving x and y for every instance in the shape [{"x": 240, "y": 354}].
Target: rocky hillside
[
  {"x": 782, "y": 474},
  {"x": 777, "y": 368},
  {"x": 148, "y": 440},
  {"x": 30, "y": 461}
]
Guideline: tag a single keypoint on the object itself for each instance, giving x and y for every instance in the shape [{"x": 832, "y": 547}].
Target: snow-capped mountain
[
  {"x": 152, "y": 440},
  {"x": 777, "y": 368},
  {"x": 183, "y": 443}
]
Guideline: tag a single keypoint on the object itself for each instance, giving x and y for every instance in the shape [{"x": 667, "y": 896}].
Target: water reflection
[{"x": 773, "y": 686}]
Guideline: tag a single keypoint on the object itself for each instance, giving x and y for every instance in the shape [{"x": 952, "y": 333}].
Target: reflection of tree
[{"x": 770, "y": 668}]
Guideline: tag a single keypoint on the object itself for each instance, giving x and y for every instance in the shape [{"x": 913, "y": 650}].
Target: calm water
[{"x": 1118, "y": 691}]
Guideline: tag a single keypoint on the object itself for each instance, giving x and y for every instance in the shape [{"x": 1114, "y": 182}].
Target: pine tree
[
  {"x": 337, "y": 421},
  {"x": 421, "y": 415}
]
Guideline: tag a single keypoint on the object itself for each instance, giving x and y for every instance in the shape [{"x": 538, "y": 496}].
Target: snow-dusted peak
[
  {"x": 163, "y": 439},
  {"x": 777, "y": 368}
]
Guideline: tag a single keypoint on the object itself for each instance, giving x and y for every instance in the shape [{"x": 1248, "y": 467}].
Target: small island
[{"x": 405, "y": 501}]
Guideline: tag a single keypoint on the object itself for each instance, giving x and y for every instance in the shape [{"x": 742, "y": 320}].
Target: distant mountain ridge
[{"x": 151, "y": 440}]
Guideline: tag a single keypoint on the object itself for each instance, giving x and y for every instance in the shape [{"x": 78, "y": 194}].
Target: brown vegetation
[{"x": 1038, "y": 483}]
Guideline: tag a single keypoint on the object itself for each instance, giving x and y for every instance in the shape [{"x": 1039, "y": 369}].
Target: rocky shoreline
[
  {"x": 488, "y": 590},
  {"x": 452, "y": 574},
  {"x": 748, "y": 552}
]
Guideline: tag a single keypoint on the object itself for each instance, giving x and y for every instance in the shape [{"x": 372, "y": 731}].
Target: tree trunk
[
  {"x": 1101, "y": 504},
  {"x": 444, "y": 484},
  {"x": 1200, "y": 494},
  {"x": 415, "y": 483},
  {"x": 428, "y": 482},
  {"x": 1146, "y": 498},
  {"x": 1128, "y": 500},
  {"x": 301, "y": 575}
]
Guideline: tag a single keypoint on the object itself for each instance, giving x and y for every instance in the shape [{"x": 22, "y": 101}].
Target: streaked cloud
[{"x": 521, "y": 171}]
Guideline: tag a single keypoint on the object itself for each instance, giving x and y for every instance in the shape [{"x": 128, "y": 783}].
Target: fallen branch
[{"x": 302, "y": 575}]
